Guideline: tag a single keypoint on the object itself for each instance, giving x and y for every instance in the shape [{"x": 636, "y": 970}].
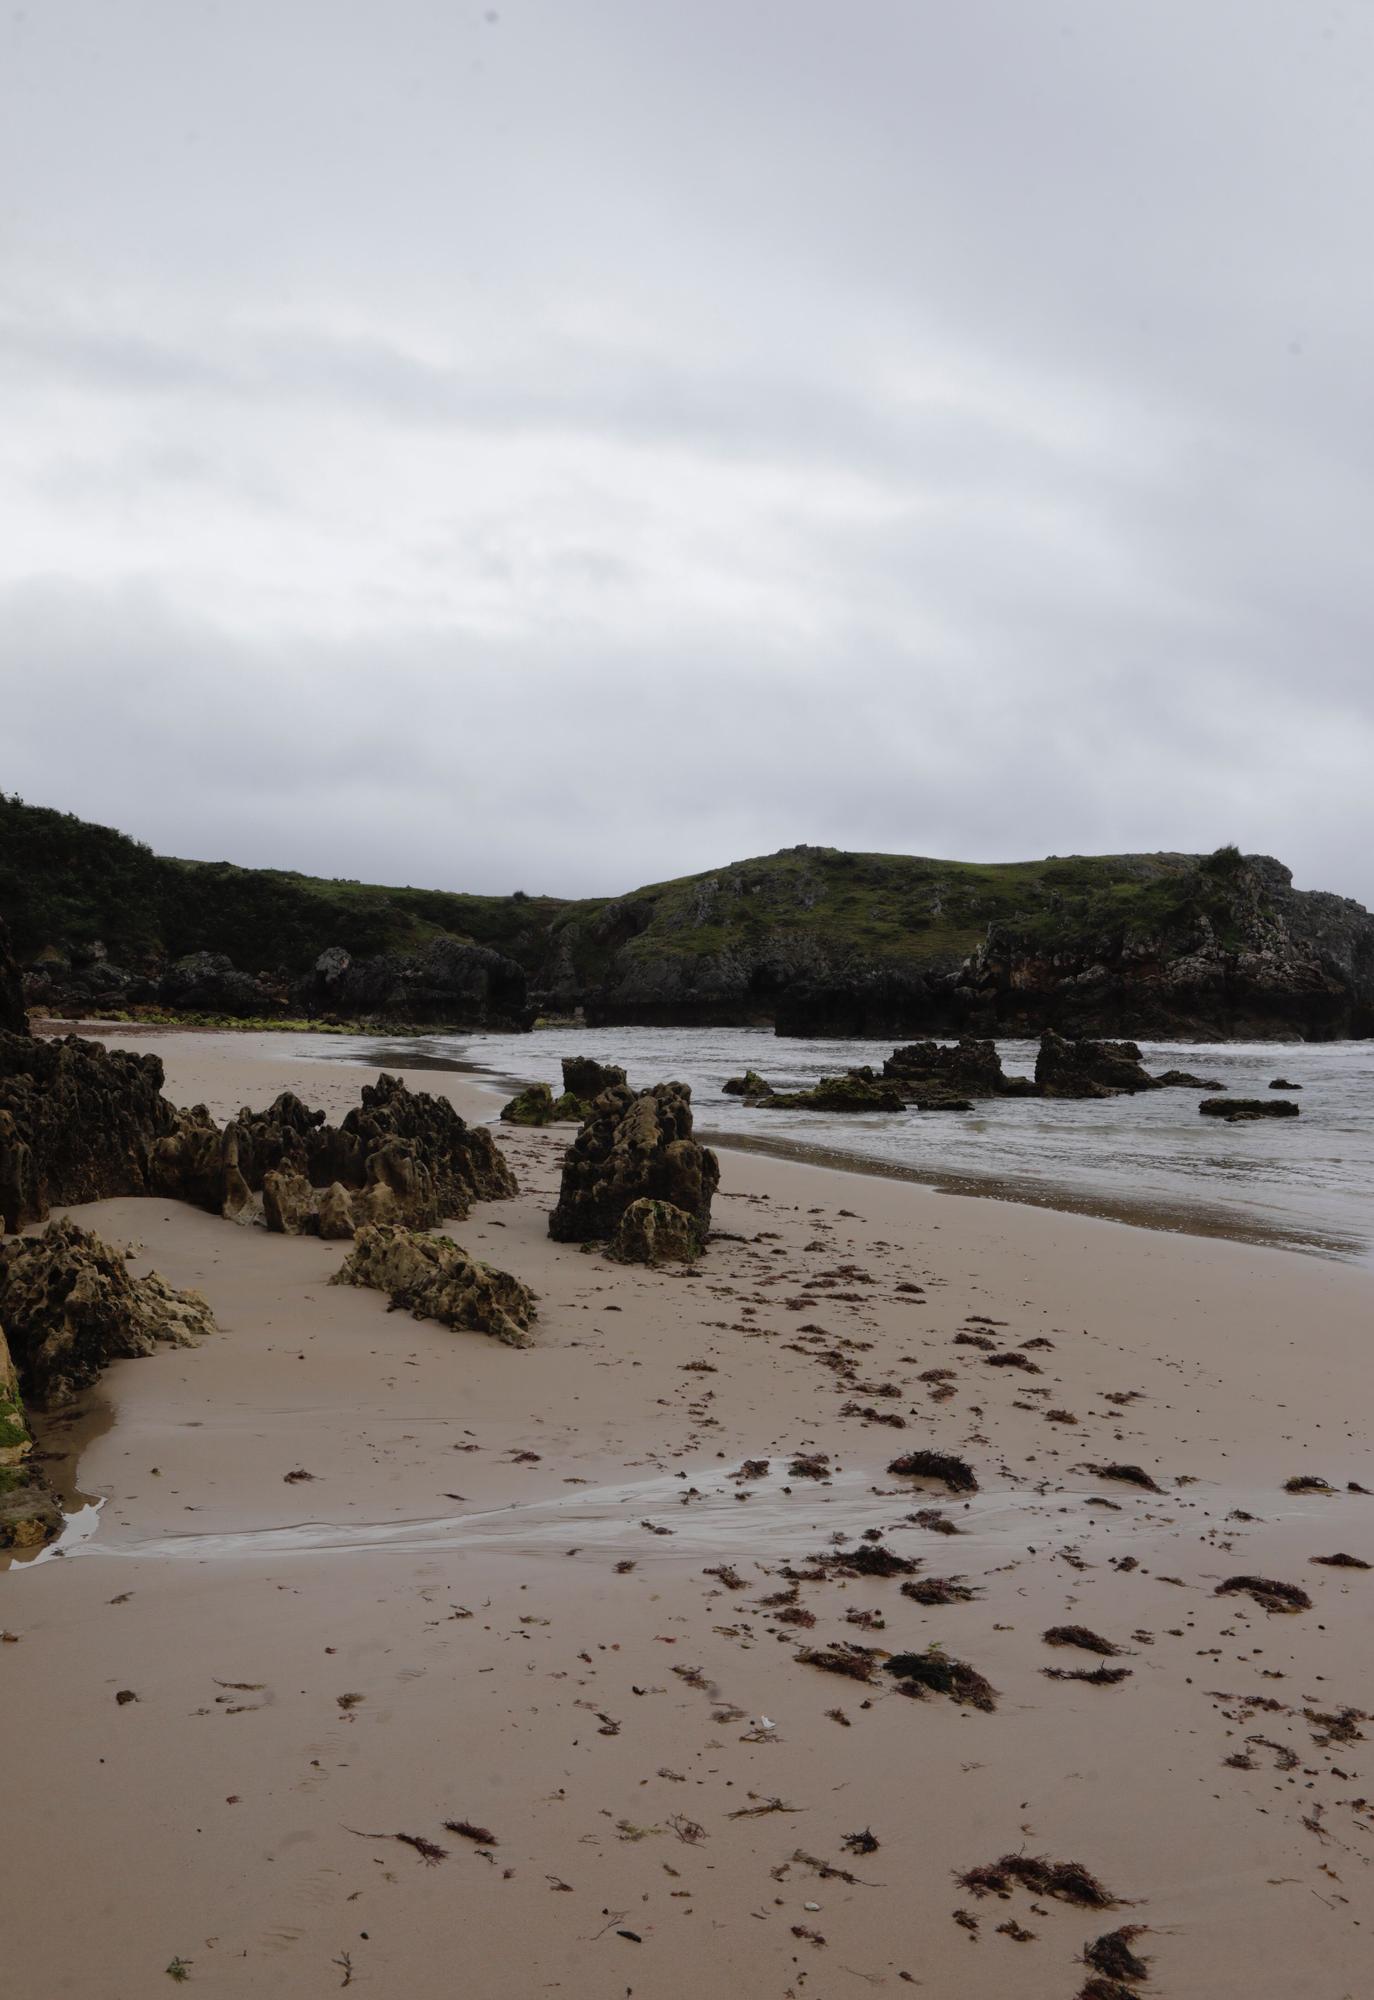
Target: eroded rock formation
[
  {"x": 1088, "y": 1069},
  {"x": 79, "y": 1122},
  {"x": 633, "y": 1146},
  {"x": 856, "y": 1090},
  {"x": 69, "y": 1307},
  {"x": 29, "y": 1516},
  {"x": 434, "y": 1278},
  {"x": 585, "y": 1078},
  {"x": 532, "y": 1106}
]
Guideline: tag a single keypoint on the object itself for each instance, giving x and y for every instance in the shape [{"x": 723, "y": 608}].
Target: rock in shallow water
[{"x": 1239, "y": 1110}]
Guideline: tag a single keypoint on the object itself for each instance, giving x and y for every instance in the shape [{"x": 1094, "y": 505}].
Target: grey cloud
[{"x": 592, "y": 445}]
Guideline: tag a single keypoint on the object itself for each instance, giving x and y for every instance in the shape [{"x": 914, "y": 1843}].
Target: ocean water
[{"x": 1307, "y": 1182}]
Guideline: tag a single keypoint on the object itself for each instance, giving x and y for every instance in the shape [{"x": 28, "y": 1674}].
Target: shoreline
[{"x": 1180, "y": 1217}]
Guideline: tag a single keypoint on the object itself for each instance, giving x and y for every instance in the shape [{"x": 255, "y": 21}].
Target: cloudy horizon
[{"x": 564, "y": 444}]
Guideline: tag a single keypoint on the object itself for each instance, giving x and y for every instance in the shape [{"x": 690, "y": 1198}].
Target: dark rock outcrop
[
  {"x": 856, "y": 1090},
  {"x": 931, "y": 1072},
  {"x": 206, "y": 982},
  {"x": 29, "y": 1516},
  {"x": 13, "y": 1018},
  {"x": 1240, "y": 1110},
  {"x": 452, "y": 982},
  {"x": 79, "y": 1122},
  {"x": 1183, "y": 1079},
  {"x": 1088, "y": 1069},
  {"x": 434, "y": 1278},
  {"x": 69, "y": 1308},
  {"x": 634, "y": 1146},
  {"x": 585, "y": 1078},
  {"x": 1282, "y": 1083},
  {"x": 751, "y": 1086}
]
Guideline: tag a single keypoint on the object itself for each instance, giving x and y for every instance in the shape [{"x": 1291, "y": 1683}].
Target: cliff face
[
  {"x": 1153, "y": 945},
  {"x": 1247, "y": 954}
]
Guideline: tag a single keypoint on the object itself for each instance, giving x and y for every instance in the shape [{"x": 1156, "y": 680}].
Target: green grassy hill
[{"x": 827, "y": 940}]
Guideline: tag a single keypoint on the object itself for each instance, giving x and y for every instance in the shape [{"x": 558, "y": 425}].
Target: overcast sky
[{"x": 565, "y": 443}]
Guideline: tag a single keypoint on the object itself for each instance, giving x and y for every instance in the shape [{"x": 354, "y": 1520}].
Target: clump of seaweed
[
  {"x": 858, "y": 1663},
  {"x": 866, "y": 1842},
  {"x": 935, "y": 1672},
  {"x": 1267, "y": 1592},
  {"x": 892, "y": 1418},
  {"x": 1082, "y": 1636},
  {"x": 931, "y": 1517},
  {"x": 810, "y": 1465},
  {"x": 869, "y": 1559},
  {"x": 1013, "y": 1358},
  {"x": 1098, "y": 1987},
  {"x": 1069, "y": 1881},
  {"x": 470, "y": 1831},
  {"x": 940, "y": 1590},
  {"x": 1340, "y": 1561},
  {"x": 1131, "y": 1475},
  {"x": 1095, "y": 1676},
  {"x": 958, "y": 1476},
  {"x": 1308, "y": 1482}
]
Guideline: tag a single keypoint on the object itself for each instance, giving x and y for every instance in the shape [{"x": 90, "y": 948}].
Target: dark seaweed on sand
[
  {"x": 1095, "y": 1676},
  {"x": 1131, "y": 1475},
  {"x": 1069, "y": 1881},
  {"x": 957, "y": 1476},
  {"x": 1308, "y": 1482},
  {"x": 481, "y": 1834},
  {"x": 939, "y": 1590},
  {"x": 868, "y": 1560},
  {"x": 936, "y": 1673},
  {"x": 1266, "y": 1591},
  {"x": 1340, "y": 1561},
  {"x": 1098, "y": 1987},
  {"x": 1013, "y": 1358},
  {"x": 1082, "y": 1636},
  {"x": 859, "y": 1663}
]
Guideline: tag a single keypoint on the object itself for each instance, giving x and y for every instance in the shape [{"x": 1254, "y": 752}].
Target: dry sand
[{"x": 491, "y": 1602}]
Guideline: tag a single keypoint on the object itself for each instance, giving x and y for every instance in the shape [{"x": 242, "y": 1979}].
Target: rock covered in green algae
[
  {"x": 532, "y": 1106},
  {"x": 856, "y": 1090},
  {"x": 750, "y": 1085},
  {"x": 29, "y": 1516},
  {"x": 656, "y": 1232},
  {"x": 435, "y": 1278},
  {"x": 69, "y": 1307}
]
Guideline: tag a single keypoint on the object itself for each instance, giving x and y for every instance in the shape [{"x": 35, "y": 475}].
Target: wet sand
[{"x": 469, "y": 1611}]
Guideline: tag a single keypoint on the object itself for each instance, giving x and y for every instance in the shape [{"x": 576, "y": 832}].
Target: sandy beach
[{"x": 363, "y": 1577}]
